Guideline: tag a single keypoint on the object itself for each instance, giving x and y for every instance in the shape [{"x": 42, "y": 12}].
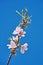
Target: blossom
[
  {"x": 11, "y": 45},
  {"x": 15, "y": 38},
  {"x": 24, "y": 48},
  {"x": 19, "y": 31}
]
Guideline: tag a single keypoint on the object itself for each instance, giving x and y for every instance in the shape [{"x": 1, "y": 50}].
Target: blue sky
[{"x": 9, "y": 20}]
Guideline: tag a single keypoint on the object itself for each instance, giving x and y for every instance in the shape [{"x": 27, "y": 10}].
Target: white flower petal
[
  {"x": 26, "y": 44},
  {"x": 9, "y": 46},
  {"x": 14, "y": 32},
  {"x": 26, "y": 49},
  {"x": 11, "y": 42},
  {"x": 23, "y": 35},
  {"x": 22, "y": 51}
]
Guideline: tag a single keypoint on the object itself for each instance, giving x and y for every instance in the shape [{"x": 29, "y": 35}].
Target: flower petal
[
  {"x": 15, "y": 38},
  {"x": 9, "y": 46},
  {"x": 14, "y": 32},
  {"x": 24, "y": 48},
  {"x": 19, "y": 31},
  {"x": 22, "y": 51},
  {"x": 12, "y": 45}
]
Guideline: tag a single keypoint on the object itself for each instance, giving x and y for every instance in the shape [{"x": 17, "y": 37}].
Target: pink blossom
[
  {"x": 15, "y": 38},
  {"x": 11, "y": 45},
  {"x": 19, "y": 31},
  {"x": 24, "y": 48}
]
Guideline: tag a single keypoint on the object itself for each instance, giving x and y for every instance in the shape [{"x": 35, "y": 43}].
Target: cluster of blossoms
[
  {"x": 14, "y": 43},
  {"x": 17, "y": 34}
]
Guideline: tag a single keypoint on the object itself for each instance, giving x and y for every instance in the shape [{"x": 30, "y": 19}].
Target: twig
[{"x": 9, "y": 58}]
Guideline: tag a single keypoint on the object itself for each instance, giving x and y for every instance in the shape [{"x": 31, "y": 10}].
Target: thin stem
[{"x": 9, "y": 58}]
